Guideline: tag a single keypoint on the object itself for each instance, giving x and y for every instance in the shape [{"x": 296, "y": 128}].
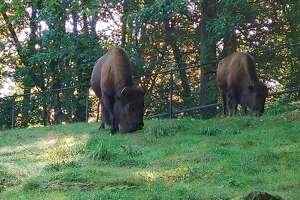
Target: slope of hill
[{"x": 221, "y": 158}]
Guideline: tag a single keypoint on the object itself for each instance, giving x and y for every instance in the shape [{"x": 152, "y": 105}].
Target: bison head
[
  {"x": 257, "y": 97},
  {"x": 129, "y": 109}
]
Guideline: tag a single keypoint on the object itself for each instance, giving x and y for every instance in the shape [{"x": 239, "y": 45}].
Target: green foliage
[
  {"x": 157, "y": 34},
  {"x": 232, "y": 15},
  {"x": 161, "y": 10}
]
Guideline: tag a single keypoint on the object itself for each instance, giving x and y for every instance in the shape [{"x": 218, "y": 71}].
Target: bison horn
[{"x": 123, "y": 91}]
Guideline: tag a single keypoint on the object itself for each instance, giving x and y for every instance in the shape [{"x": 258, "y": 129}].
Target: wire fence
[
  {"x": 44, "y": 108},
  {"x": 77, "y": 103},
  {"x": 11, "y": 108}
]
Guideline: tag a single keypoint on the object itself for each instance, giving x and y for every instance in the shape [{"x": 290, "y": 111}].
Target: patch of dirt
[{"x": 261, "y": 196}]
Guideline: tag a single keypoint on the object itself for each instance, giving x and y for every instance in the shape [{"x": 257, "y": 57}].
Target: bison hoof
[
  {"x": 113, "y": 131},
  {"x": 102, "y": 126}
]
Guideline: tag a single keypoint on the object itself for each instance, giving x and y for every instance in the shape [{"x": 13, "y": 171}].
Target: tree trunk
[
  {"x": 93, "y": 25},
  {"x": 208, "y": 88},
  {"x": 230, "y": 45},
  {"x": 171, "y": 40},
  {"x": 26, "y": 107},
  {"x": 24, "y": 58},
  {"x": 124, "y": 24},
  {"x": 75, "y": 21}
]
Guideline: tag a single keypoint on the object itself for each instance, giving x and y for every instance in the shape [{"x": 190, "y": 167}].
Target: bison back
[
  {"x": 236, "y": 71},
  {"x": 116, "y": 72},
  {"x": 96, "y": 76}
]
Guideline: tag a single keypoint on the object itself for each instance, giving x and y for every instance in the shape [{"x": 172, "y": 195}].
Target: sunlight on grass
[
  {"x": 179, "y": 173},
  {"x": 149, "y": 176},
  {"x": 220, "y": 158},
  {"x": 28, "y": 160},
  {"x": 60, "y": 149}
]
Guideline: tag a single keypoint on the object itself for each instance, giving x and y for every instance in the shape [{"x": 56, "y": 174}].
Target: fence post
[
  {"x": 13, "y": 112},
  {"x": 171, "y": 95},
  {"x": 87, "y": 107}
]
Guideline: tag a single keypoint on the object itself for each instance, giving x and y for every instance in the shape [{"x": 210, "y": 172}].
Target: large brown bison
[
  {"x": 122, "y": 102},
  {"x": 239, "y": 84}
]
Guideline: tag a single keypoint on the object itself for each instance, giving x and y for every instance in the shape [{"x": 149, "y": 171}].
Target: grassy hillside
[{"x": 222, "y": 158}]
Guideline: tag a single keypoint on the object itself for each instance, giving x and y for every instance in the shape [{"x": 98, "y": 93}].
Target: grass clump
[
  {"x": 131, "y": 150},
  {"x": 211, "y": 131},
  {"x": 31, "y": 185},
  {"x": 162, "y": 128},
  {"x": 52, "y": 167},
  {"x": 71, "y": 176},
  {"x": 115, "y": 151},
  {"x": 214, "y": 131},
  {"x": 99, "y": 149},
  {"x": 63, "y": 151}
]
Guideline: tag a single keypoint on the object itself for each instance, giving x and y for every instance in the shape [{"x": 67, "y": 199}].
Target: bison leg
[
  {"x": 102, "y": 125},
  {"x": 224, "y": 104},
  {"x": 108, "y": 105},
  {"x": 231, "y": 103},
  {"x": 244, "y": 109},
  {"x": 104, "y": 117}
]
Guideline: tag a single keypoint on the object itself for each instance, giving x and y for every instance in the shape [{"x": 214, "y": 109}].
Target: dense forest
[{"x": 53, "y": 44}]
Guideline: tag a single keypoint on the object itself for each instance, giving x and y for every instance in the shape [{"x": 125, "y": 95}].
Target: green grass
[{"x": 186, "y": 159}]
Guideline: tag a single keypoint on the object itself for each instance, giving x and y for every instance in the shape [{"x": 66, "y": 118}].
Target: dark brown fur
[
  {"x": 122, "y": 102},
  {"x": 238, "y": 83}
]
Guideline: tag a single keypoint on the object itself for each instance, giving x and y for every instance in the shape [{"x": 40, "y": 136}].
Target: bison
[
  {"x": 122, "y": 102},
  {"x": 239, "y": 84}
]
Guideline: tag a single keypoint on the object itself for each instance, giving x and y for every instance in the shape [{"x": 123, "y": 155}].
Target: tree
[{"x": 65, "y": 38}]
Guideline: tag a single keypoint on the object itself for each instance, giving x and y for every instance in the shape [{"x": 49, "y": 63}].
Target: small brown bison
[
  {"x": 122, "y": 102},
  {"x": 239, "y": 84}
]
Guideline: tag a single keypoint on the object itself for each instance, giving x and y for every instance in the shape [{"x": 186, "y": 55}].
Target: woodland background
[{"x": 47, "y": 45}]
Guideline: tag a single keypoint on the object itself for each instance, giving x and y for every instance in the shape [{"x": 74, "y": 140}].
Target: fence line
[
  {"x": 170, "y": 99},
  {"x": 171, "y": 112},
  {"x": 198, "y": 108}
]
